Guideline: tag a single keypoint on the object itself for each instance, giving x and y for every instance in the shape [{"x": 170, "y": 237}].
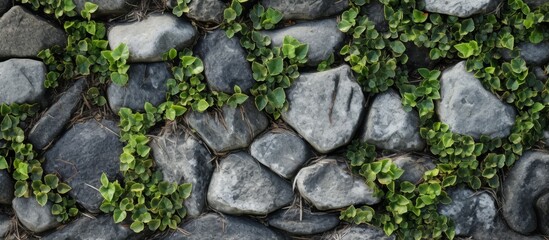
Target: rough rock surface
[
  {"x": 33, "y": 216},
  {"x": 388, "y": 126},
  {"x": 468, "y": 108},
  {"x": 5, "y": 225},
  {"x": 307, "y": 9},
  {"x": 533, "y": 54},
  {"x": 525, "y": 182},
  {"x": 325, "y": 107},
  {"x": 374, "y": 11},
  {"x": 460, "y": 8},
  {"x": 6, "y": 187},
  {"x": 149, "y": 39},
  {"x": 476, "y": 215},
  {"x": 240, "y": 185},
  {"x": 81, "y": 155},
  {"x": 225, "y": 63},
  {"x": 57, "y": 116},
  {"x": 281, "y": 151},
  {"x": 22, "y": 80},
  {"x": 535, "y": 3},
  {"x": 542, "y": 208},
  {"x": 23, "y": 34},
  {"x": 146, "y": 83},
  {"x": 101, "y": 227},
  {"x": 207, "y": 10},
  {"x": 328, "y": 184},
  {"x": 183, "y": 159},
  {"x": 322, "y": 36},
  {"x": 303, "y": 221},
  {"x": 230, "y": 128},
  {"x": 214, "y": 226},
  {"x": 414, "y": 167},
  {"x": 108, "y": 8},
  {"x": 358, "y": 232}
]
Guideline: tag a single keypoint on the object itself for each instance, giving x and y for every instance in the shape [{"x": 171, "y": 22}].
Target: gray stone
[
  {"x": 6, "y": 187},
  {"x": 146, "y": 83},
  {"x": 470, "y": 109},
  {"x": 207, "y": 10},
  {"x": 542, "y": 209},
  {"x": 328, "y": 184},
  {"x": 24, "y": 34},
  {"x": 540, "y": 73},
  {"x": 58, "y": 115},
  {"x": 414, "y": 167},
  {"x": 240, "y": 185},
  {"x": 5, "y": 225},
  {"x": 388, "y": 126},
  {"x": 230, "y": 128},
  {"x": 323, "y": 37},
  {"x": 214, "y": 226},
  {"x": 325, "y": 107},
  {"x": 374, "y": 11},
  {"x": 108, "y": 8},
  {"x": 281, "y": 151},
  {"x": 307, "y": 9},
  {"x": 535, "y": 3},
  {"x": 81, "y": 155},
  {"x": 461, "y": 8},
  {"x": 525, "y": 183},
  {"x": 183, "y": 159},
  {"x": 150, "y": 38},
  {"x": 33, "y": 216},
  {"x": 475, "y": 214},
  {"x": 359, "y": 232},
  {"x": 22, "y": 81},
  {"x": 303, "y": 221},
  {"x": 418, "y": 56},
  {"x": 533, "y": 54},
  {"x": 225, "y": 63},
  {"x": 4, "y": 6},
  {"x": 100, "y": 227}
]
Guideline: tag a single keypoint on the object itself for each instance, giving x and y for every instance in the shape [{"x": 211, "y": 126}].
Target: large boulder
[
  {"x": 470, "y": 109},
  {"x": 182, "y": 158},
  {"x": 475, "y": 215},
  {"x": 323, "y": 37},
  {"x": 22, "y": 80},
  {"x": 307, "y": 9},
  {"x": 58, "y": 115},
  {"x": 100, "y": 227},
  {"x": 328, "y": 184},
  {"x": 358, "y": 232},
  {"x": 81, "y": 155},
  {"x": 23, "y": 34},
  {"x": 146, "y": 83},
  {"x": 303, "y": 221},
  {"x": 214, "y": 226},
  {"x": 389, "y": 126},
  {"x": 225, "y": 63},
  {"x": 6, "y": 187},
  {"x": 325, "y": 107},
  {"x": 240, "y": 185},
  {"x": 150, "y": 38},
  {"x": 281, "y": 151},
  {"x": 525, "y": 183},
  {"x": 33, "y": 216},
  {"x": 461, "y": 8},
  {"x": 108, "y": 8},
  {"x": 230, "y": 128}
]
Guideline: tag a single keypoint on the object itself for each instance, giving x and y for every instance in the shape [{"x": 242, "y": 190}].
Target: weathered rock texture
[
  {"x": 108, "y": 8},
  {"x": 303, "y": 221},
  {"x": 6, "y": 187},
  {"x": 22, "y": 81},
  {"x": 307, "y": 9},
  {"x": 33, "y": 216},
  {"x": 461, "y": 8},
  {"x": 100, "y": 227}
]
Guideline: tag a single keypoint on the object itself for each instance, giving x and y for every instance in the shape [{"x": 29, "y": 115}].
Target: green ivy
[
  {"x": 59, "y": 8},
  {"x": 20, "y": 159}
]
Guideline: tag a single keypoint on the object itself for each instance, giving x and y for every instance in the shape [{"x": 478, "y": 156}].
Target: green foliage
[
  {"x": 231, "y": 15},
  {"x": 20, "y": 159},
  {"x": 264, "y": 19},
  {"x": 143, "y": 198},
  {"x": 95, "y": 96},
  {"x": 181, "y": 7},
  {"x": 58, "y": 8}
]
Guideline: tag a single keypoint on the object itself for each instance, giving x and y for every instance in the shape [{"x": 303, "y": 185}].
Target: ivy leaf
[
  {"x": 419, "y": 16},
  {"x": 83, "y": 65},
  {"x": 260, "y": 102},
  {"x": 42, "y": 198},
  {"x": 3, "y": 163},
  {"x": 119, "y": 79},
  {"x": 397, "y": 46},
  {"x": 275, "y": 66},
  {"x": 202, "y": 105},
  {"x": 277, "y": 97},
  {"x": 63, "y": 188},
  {"x": 119, "y": 216},
  {"x": 137, "y": 226},
  {"x": 121, "y": 52},
  {"x": 51, "y": 180},
  {"x": 6, "y": 123}
]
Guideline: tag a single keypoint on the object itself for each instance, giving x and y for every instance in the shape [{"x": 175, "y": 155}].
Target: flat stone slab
[
  {"x": 240, "y": 185},
  {"x": 81, "y": 155},
  {"x": 328, "y": 184},
  {"x": 23, "y": 34},
  {"x": 150, "y": 38},
  {"x": 22, "y": 81},
  {"x": 325, "y": 107}
]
